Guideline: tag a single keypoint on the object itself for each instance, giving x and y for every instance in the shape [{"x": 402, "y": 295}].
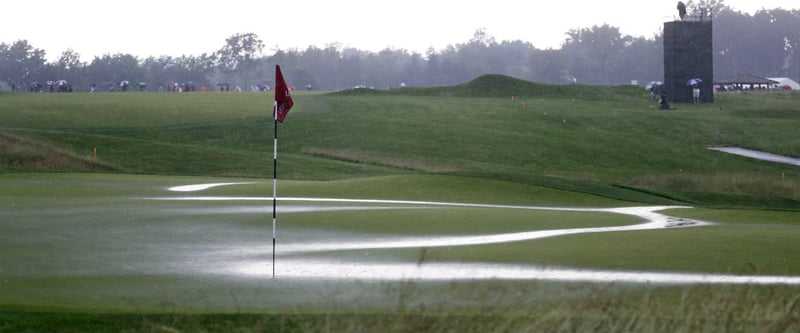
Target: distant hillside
[{"x": 489, "y": 86}]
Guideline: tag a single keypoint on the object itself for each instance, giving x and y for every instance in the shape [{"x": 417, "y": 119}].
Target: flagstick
[{"x": 274, "y": 183}]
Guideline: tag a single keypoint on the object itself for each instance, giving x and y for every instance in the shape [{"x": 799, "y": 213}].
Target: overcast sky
[{"x": 176, "y": 27}]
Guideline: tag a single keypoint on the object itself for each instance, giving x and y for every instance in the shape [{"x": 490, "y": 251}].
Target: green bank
[{"x": 607, "y": 141}]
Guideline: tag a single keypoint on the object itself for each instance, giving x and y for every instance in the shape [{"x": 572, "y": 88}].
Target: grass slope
[
  {"x": 501, "y": 86},
  {"x": 559, "y": 138},
  {"x": 602, "y": 140}
]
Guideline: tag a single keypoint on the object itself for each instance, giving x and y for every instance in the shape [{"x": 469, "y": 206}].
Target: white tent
[{"x": 785, "y": 81}]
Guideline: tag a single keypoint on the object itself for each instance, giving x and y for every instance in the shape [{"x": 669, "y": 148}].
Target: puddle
[
  {"x": 300, "y": 261},
  {"x": 759, "y": 155},
  {"x": 333, "y": 270},
  {"x": 201, "y": 187},
  {"x": 267, "y": 209},
  {"x": 653, "y": 221},
  {"x": 649, "y": 214}
]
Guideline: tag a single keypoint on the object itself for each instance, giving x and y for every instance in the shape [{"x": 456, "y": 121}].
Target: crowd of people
[
  {"x": 125, "y": 86},
  {"x": 49, "y": 86}
]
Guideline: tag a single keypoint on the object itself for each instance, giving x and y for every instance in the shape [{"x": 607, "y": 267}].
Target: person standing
[
  {"x": 681, "y": 10},
  {"x": 664, "y": 103},
  {"x": 696, "y": 94}
]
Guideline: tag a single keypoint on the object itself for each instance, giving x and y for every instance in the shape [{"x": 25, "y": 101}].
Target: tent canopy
[
  {"x": 749, "y": 79},
  {"x": 785, "y": 81}
]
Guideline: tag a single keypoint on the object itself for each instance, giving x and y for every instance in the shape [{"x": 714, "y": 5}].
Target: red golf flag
[{"x": 283, "y": 99}]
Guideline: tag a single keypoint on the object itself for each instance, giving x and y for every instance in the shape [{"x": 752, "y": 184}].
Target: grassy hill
[
  {"x": 608, "y": 141},
  {"x": 501, "y": 86}
]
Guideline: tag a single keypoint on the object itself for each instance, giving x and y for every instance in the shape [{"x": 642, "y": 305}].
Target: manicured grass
[
  {"x": 753, "y": 218},
  {"x": 90, "y": 221},
  {"x": 463, "y": 221},
  {"x": 721, "y": 249}
]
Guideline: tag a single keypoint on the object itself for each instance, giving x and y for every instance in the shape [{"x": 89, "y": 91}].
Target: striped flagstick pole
[
  {"x": 283, "y": 102},
  {"x": 274, "y": 183}
]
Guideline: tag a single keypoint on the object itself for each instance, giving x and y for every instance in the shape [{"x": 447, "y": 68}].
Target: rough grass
[
  {"x": 504, "y": 309},
  {"x": 359, "y": 157},
  {"x": 22, "y": 151},
  {"x": 757, "y": 184}
]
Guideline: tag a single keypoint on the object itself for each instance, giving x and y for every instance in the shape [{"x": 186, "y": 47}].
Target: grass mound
[
  {"x": 502, "y": 86},
  {"x": 360, "y": 92},
  {"x": 505, "y": 86}
]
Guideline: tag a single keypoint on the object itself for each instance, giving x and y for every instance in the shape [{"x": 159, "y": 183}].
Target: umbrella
[
  {"x": 694, "y": 82},
  {"x": 653, "y": 84}
]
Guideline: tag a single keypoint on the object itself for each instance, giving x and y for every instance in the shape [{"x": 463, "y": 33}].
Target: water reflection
[
  {"x": 355, "y": 270},
  {"x": 301, "y": 260}
]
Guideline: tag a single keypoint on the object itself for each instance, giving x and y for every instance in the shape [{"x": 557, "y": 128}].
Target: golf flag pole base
[{"x": 273, "y": 258}]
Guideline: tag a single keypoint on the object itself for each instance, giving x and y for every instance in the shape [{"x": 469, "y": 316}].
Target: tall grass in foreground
[{"x": 600, "y": 309}]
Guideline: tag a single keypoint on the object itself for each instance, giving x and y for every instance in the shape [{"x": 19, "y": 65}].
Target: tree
[
  {"x": 20, "y": 62},
  {"x": 110, "y": 70},
  {"x": 780, "y": 29},
  {"x": 711, "y": 8},
  {"x": 595, "y": 54},
  {"x": 69, "y": 67},
  {"x": 239, "y": 54},
  {"x": 765, "y": 43},
  {"x": 183, "y": 69},
  {"x": 549, "y": 66}
]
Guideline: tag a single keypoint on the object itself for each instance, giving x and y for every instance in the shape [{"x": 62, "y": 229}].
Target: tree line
[{"x": 766, "y": 43}]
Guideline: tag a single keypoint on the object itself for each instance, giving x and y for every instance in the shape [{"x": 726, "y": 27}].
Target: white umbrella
[{"x": 653, "y": 84}]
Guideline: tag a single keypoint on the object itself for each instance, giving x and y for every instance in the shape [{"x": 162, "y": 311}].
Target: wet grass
[
  {"x": 454, "y": 221},
  {"x": 110, "y": 215},
  {"x": 740, "y": 217},
  {"x": 721, "y": 249}
]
